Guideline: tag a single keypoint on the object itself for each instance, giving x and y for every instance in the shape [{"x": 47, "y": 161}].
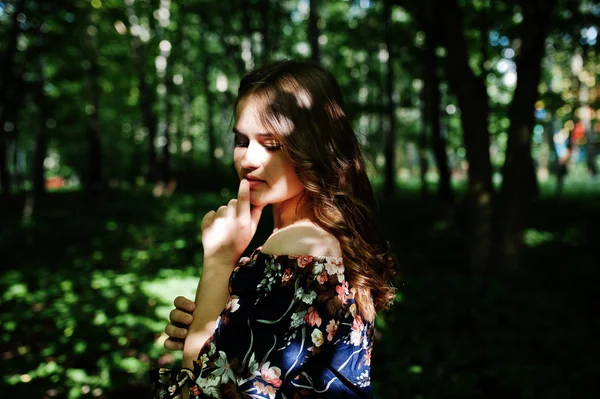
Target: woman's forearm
[{"x": 211, "y": 297}]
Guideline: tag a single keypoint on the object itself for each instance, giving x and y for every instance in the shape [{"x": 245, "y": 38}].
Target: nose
[{"x": 252, "y": 157}]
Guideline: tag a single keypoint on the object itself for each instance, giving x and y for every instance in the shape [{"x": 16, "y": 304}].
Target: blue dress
[{"x": 290, "y": 329}]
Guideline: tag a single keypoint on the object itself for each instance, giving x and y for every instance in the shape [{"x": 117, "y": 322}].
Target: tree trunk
[
  {"x": 147, "y": 111},
  {"x": 210, "y": 101},
  {"x": 166, "y": 151},
  {"x": 232, "y": 52},
  {"x": 433, "y": 95},
  {"x": 6, "y": 96},
  {"x": 390, "y": 138},
  {"x": 313, "y": 31},
  {"x": 277, "y": 18},
  {"x": 518, "y": 184},
  {"x": 267, "y": 46},
  {"x": 94, "y": 136},
  {"x": 423, "y": 145},
  {"x": 183, "y": 131},
  {"x": 472, "y": 98},
  {"x": 247, "y": 50},
  {"x": 41, "y": 141}
]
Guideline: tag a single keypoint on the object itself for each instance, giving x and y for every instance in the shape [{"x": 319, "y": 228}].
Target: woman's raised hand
[{"x": 227, "y": 232}]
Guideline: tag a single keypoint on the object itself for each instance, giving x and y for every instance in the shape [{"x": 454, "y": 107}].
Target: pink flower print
[
  {"x": 342, "y": 291},
  {"x": 232, "y": 303},
  {"x": 331, "y": 329},
  {"x": 335, "y": 266},
  {"x": 271, "y": 375},
  {"x": 304, "y": 260},
  {"x": 322, "y": 278},
  {"x": 312, "y": 318},
  {"x": 195, "y": 390},
  {"x": 357, "y": 324},
  {"x": 287, "y": 275}
]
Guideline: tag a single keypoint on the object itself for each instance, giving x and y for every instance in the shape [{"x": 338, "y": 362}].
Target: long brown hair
[{"x": 300, "y": 103}]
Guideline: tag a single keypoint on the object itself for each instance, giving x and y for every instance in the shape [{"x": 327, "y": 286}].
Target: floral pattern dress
[{"x": 290, "y": 329}]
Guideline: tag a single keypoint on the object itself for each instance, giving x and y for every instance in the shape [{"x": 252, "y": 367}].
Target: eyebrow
[{"x": 268, "y": 135}]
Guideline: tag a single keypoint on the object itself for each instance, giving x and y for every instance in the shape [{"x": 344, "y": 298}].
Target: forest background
[{"x": 479, "y": 120}]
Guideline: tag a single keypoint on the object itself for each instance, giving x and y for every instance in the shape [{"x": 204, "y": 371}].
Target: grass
[{"x": 86, "y": 287}]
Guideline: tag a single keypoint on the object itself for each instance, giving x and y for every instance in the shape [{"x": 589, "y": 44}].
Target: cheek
[
  {"x": 237, "y": 160},
  {"x": 293, "y": 182}
]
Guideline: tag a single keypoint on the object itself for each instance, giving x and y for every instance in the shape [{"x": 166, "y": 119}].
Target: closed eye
[
  {"x": 274, "y": 146},
  {"x": 270, "y": 145},
  {"x": 240, "y": 143}
]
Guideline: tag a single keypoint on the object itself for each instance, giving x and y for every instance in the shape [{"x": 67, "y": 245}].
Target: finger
[
  {"x": 182, "y": 303},
  {"x": 232, "y": 208},
  {"x": 175, "y": 332},
  {"x": 207, "y": 219},
  {"x": 178, "y": 317},
  {"x": 221, "y": 211},
  {"x": 243, "y": 199},
  {"x": 173, "y": 345}
]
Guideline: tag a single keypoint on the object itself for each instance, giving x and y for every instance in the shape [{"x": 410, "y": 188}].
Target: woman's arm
[
  {"x": 225, "y": 235},
  {"x": 211, "y": 297}
]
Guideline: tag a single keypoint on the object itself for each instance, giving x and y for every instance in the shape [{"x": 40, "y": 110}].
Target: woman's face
[{"x": 260, "y": 158}]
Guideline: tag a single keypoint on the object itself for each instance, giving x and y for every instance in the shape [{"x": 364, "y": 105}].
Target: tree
[
  {"x": 390, "y": 137},
  {"x": 7, "y": 93},
  {"x": 470, "y": 90},
  {"x": 313, "y": 31},
  {"x": 518, "y": 177},
  {"x": 431, "y": 108},
  {"x": 94, "y": 180}
]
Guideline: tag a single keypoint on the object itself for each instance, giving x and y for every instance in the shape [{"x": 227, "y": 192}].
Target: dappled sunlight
[
  {"x": 534, "y": 238},
  {"x": 93, "y": 317},
  {"x": 303, "y": 97}
]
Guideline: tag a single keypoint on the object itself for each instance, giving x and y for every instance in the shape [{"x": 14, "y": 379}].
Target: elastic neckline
[{"x": 258, "y": 251}]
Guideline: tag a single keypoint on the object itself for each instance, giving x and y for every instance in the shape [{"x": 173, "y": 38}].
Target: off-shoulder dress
[{"x": 290, "y": 329}]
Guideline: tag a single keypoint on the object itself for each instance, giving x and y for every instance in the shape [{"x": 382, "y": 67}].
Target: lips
[
  {"x": 252, "y": 178},
  {"x": 254, "y": 181}
]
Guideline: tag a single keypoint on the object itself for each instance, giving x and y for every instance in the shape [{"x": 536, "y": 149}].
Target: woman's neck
[{"x": 291, "y": 211}]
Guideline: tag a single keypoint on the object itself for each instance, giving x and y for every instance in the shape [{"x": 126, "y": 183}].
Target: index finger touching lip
[{"x": 243, "y": 202}]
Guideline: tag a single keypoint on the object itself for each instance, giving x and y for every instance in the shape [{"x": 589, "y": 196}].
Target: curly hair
[{"x": 300, "y": 103}]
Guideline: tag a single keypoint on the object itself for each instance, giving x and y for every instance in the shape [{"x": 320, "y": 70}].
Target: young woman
[{"x": 295, "y": 319}]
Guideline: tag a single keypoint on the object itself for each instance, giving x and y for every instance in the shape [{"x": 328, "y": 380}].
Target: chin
[{"x": 257, "y": 200}]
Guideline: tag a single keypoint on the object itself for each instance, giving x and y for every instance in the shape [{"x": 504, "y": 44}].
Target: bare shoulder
[{"x": 303, "y": 238}]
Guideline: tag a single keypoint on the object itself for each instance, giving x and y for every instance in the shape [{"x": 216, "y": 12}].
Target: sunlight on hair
[
  {"x": 334, "y": 110},
  {"x": 284, "y": 125},
  {"x": 304, "y": 99}
]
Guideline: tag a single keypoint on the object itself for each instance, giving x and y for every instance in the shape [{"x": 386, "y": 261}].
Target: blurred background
[{"x": 479, "y": 121}]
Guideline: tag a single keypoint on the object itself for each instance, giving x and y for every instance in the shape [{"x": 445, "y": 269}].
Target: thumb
[{"x": 255, "y": 216}]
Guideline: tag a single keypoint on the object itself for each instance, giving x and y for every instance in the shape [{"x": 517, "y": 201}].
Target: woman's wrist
[{"x": 218, "y": 265}]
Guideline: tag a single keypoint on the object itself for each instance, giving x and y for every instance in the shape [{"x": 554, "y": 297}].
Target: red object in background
[
  {"x": 578, "y": 133},
  {"x": 55, "y": 182}
]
